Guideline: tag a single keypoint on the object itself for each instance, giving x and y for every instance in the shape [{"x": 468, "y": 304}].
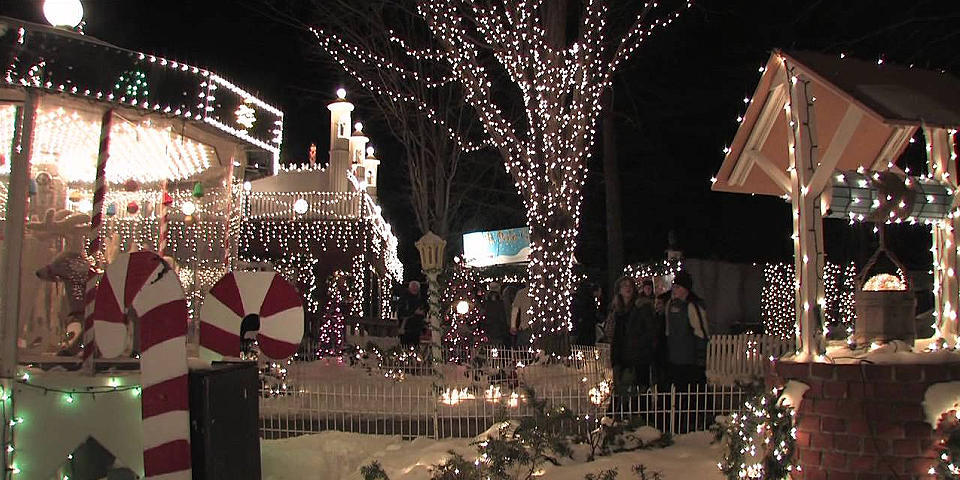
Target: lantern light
[
  {"x": 63, "y": 13},
  {"x": 300, "y": 206}
]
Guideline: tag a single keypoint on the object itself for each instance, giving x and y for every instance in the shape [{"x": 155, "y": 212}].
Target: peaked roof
[
  {"x": 894, "y": 92},
  {"x": 866, "y": 114}
]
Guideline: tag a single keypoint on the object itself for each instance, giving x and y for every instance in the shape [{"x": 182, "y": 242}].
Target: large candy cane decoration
[
  {"x": 147, "y": 285},
  {"x": 240, "y": 294}
]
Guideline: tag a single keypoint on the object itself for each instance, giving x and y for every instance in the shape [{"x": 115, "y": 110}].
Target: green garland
[
  {"x": 949, "y": 449},
  {"x": 761, "y": 440}
]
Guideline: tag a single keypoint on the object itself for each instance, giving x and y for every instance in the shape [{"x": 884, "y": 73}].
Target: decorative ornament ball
[
  {"x": 132, "y": 207},
  {"x": 197, "y": 190},
  {"x": 111, "y": 209},
  {"x": 188, "y": 208},
  {"x": 131, "y": 185},
  {"x": 75, "y": 196},
  {"x": 167, "y": 199}
]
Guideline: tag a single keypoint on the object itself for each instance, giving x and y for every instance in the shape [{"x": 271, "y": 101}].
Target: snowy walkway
[{"x": 339, "y": 456}]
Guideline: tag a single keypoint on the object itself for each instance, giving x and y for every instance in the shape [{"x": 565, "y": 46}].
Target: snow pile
[
  {"x": 940, "y": 398},
  {"x": 793, "y": 394},
  {"x": 896, "y": 352},
  {"x": 339, "y": 456}
]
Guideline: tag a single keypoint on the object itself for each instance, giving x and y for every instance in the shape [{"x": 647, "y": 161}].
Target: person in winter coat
[
  {"x": 412, "y": 313},
  {"x": 494, "y": 318},
  {"x": 585, "y": 314},
  {"x": 631, "y": 329},
  {"x": 520, "y": 319},
  {"x": 687, "y": 333}
]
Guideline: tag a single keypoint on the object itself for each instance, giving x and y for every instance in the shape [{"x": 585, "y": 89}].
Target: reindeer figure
[{"x": 71, "y": 267}]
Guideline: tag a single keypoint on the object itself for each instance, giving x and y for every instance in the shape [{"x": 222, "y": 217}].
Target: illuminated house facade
[{"x": 315, "y": 222}]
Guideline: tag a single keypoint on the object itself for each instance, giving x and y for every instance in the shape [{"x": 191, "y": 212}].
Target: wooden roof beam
[
  {"x": 894, "y": 146},
  {"x": 771, "y": 169},
  {"x": 838, "y": 144},
  {"x": 776, "y": 99}
]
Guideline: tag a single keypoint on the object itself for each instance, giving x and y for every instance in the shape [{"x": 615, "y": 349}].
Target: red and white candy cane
[
  {"x": 89, "y": 342},
  {"x": 240, "y": 294},
  {"x": 144, "y": 283},
  {"x": 100, "y": 184},
  {"x": 96, "y": 224},
  {"x": 163, "y": 219}
]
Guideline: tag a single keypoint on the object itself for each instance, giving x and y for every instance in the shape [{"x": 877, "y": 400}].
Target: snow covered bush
[{"x": 515, "y": 450}]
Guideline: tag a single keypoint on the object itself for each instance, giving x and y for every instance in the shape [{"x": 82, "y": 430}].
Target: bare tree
[
  {"x": 509, "y": 52},
  {"x": 433, "y": 144}
]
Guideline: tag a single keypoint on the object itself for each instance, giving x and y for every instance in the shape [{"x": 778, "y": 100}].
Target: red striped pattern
[
  {"x": 163, "y": 220},
  {"x": 100, "y": 185},
  {"x": 238, "y": 294},
  {"x": 89, "y": 342},
  {"x": 145, "y": 283}
]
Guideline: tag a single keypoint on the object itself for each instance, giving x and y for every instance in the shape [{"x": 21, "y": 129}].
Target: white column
[
  {"x": 807, "y": 221},
  {"x": 942, "y": 161},
  {"x": 13, "y": 233}
]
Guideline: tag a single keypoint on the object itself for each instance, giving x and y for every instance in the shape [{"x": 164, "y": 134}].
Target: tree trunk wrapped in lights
[{"x": 559, "y": 78}]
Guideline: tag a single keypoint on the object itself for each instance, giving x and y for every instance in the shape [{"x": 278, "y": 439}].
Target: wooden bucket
[{"x": 885, "y": 315}]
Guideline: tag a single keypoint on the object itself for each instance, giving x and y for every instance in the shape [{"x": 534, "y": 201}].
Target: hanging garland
[{"x": 761, "y": 440}]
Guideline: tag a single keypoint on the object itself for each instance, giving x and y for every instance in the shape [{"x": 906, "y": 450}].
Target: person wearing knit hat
[
  {"x": 687, "y": 332},
  {"x": 646, "y": 288}
]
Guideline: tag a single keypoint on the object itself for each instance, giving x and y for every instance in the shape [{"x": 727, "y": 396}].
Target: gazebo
[{"x": 825, "y": 133}]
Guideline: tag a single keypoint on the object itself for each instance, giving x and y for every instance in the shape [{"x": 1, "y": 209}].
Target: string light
[
  {"x": 778, "y": 299},
  {"x": 561, "y": 89},
  {"x": 45, "y": 55}
]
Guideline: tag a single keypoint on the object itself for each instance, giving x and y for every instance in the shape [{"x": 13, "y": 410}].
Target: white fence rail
[
  {"x": 743, "y": 358},
  {"x": 415, "y": 411},
  {"x": 412, "y": 398}
]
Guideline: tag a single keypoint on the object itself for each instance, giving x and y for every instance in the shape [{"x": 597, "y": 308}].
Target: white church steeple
[{"x": 340, "y": 144}]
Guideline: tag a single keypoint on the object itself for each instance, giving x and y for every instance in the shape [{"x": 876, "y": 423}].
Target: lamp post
[{"x": 431, "y": 262}]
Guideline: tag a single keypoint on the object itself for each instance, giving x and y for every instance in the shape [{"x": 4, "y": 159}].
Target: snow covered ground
[{"x": 338, "y": 455}]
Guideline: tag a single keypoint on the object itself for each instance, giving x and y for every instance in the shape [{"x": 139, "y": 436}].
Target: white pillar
[
  {"x": 942, "y": 161},
  {"x": 340, "y": 133},
  {"x": 805, "y": 205},
  {"x": 13, "y": 233},
  {"x": 13, "y": 247}
]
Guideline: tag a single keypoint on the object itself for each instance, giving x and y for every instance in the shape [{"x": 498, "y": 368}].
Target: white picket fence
[{"x": 735, "y": 359}]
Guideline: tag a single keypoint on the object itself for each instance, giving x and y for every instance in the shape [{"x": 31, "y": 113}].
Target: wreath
[{"x": 761, "y": 440}]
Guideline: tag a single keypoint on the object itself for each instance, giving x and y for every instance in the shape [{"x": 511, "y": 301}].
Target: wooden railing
[{"x": 743, "y": 358}]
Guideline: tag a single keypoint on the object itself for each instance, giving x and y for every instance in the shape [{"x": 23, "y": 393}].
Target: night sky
[{"x": 676, "y": 103}]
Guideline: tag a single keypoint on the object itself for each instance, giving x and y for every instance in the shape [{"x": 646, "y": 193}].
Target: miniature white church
[
  {"x": 349, "y": 152},
  {"x": 352, "y": 166}
]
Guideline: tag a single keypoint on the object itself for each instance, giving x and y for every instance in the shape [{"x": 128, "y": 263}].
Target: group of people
[
  {"x": 506, "y": 316},
  {"x": 665, "y": 335}
]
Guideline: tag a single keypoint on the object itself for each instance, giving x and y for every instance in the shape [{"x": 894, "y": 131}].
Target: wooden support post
[
  {"x": 14, "y": 230},
  {"x": 946, "y": 290},
  {"x": 25, "y": 120},
  {"x": 805, "y": 204}
]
